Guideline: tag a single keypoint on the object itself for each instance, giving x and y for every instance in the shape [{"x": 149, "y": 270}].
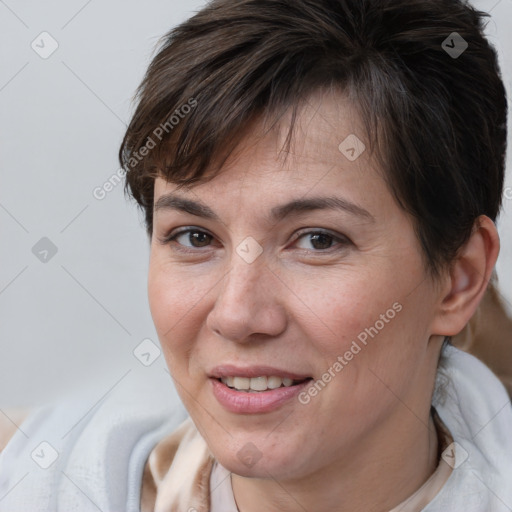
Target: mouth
[
  {"x": 236, "y": 394},
  {"x": 259, "y": 384}
]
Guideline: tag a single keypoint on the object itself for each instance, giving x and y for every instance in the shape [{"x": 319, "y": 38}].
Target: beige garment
[
  {"x": 170, "y": 482},
  {"x": 176, "y": 477}
]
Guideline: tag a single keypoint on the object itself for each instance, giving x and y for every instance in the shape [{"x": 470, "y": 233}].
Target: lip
[
  {"x": 229, "y": 370},
  {"x": 242, "y": 402}
]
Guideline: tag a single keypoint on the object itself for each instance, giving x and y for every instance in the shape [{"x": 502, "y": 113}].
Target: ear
[{"x": 467, "y": 279}]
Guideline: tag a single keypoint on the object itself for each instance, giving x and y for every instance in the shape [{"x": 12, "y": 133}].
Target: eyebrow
[{"x": 297, "y": 206}]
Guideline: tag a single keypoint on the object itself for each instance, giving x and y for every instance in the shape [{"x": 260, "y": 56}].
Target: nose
[{"x": 249, "y": 302}]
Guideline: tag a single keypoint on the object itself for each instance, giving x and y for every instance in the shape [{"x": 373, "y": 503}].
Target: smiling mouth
[{"x": 259, "y": 384}]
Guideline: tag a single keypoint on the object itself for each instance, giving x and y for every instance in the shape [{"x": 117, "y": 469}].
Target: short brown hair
[{"x": 440, "y": 118}]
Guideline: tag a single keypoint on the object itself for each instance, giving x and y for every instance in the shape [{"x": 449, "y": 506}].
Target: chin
[
  {"x": 249, "y": 461},
  {"x": 258, "y": 470}
]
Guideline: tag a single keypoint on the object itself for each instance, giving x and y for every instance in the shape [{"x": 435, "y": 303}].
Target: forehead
[{"x": 328, "y": 153}]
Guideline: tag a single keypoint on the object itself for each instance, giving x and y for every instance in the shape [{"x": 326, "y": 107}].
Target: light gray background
[{"x": 74, "y": 321}]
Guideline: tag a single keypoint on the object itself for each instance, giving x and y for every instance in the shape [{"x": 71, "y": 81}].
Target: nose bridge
[
  {"x": 247, "y": 301},
  {"x": 245, "y": 279}
]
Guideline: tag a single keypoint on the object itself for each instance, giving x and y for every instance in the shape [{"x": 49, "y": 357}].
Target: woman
[{"x": 320, "y": 181}]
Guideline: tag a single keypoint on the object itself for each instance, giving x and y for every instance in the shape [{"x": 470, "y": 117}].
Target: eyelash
[{"x": 342, "y": 241}]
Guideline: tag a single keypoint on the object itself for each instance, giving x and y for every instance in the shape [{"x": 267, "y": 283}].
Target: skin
[{"x": 299, "y": 306}]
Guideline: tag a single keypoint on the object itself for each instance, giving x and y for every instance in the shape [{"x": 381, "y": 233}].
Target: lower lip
[{"x": 243, "y": 402}]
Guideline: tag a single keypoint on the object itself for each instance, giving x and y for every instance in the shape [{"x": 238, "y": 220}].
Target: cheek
[
  {"x": 346, "y": 305},
  {"x": 374, "y": 323},
  {"x": 172, "y": 289},
  {"x": 162, "y": 296},
  {"x": 174, "y": 301}
]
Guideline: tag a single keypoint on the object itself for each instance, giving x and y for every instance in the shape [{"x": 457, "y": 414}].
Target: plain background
[{"x": 75, "y": 320}]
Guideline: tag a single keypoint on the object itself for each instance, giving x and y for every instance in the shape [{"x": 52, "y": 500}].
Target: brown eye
[
  {"x": 199, "y": 238},
  {"x": 188, "y": 239},
  {"x": 322, "y": 241}
]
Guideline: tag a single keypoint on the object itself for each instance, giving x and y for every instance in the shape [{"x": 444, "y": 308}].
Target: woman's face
[{"x": 335, "y": 291}]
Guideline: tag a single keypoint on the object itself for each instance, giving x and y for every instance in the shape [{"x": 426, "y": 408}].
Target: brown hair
[{"x": 439, "y": 118}]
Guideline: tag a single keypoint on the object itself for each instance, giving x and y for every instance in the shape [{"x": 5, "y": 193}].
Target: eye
[
  {"x": 195, "y": 237},
  {"x": 322, "y": 240},
  {"x": 189, "y": 239}
]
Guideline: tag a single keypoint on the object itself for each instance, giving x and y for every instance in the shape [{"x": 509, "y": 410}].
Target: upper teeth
[{"x": 256, "y": 383}]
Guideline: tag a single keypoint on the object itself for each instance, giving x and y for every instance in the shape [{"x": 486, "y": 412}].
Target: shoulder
[
  {"x": 475, "y": 407},
  {"x": 83, "y": 448}
]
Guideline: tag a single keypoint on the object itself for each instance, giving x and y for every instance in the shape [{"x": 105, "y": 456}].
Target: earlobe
[{"x": 468, "y": 278}]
